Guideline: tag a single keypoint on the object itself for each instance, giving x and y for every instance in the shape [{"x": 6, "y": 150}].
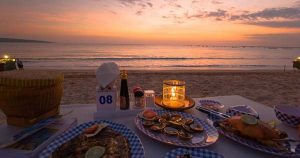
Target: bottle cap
[{"x": 123, "y": 74}]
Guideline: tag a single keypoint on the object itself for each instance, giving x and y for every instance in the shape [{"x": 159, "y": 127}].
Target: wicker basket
[{"x": 28, "y": 96}]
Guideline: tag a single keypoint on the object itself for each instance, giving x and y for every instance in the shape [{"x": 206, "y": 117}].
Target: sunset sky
[{"x": 215, "y": 22}]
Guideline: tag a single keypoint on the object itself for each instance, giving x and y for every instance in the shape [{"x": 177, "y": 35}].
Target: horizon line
[{"x": 22, "y": 40}]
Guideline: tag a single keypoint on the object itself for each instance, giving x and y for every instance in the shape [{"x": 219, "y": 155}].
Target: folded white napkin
[{"x": 107, "y": 73}]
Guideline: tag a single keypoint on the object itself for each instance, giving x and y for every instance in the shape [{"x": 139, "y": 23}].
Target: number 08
[{"x": 104, "y": 100}]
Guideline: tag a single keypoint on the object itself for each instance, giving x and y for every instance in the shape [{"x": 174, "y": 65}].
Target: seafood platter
[
  {"x": 259, "y": 135},
  {"x": 96, "y": 139},
  {"x": 176, "y": 128},
  {"x": 254, "y": 133}
]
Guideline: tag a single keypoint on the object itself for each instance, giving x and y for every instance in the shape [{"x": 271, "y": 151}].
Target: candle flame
[{"x": 173, "y": 96}]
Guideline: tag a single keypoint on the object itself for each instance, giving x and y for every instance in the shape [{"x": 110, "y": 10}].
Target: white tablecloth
[{"x": 154, "y": 149}]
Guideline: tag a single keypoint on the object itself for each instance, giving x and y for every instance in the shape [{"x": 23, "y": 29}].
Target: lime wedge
[
  {"x": 250, "y": 120},
  {"x": 95, "y": 152},
  {"x": 272, "y": 123}
]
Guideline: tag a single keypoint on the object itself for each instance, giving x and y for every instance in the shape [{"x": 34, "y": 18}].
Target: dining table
[{"x": 154, "y": 149}]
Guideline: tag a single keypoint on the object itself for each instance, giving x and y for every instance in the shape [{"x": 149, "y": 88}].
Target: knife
[{"x": 212, "y": 112}]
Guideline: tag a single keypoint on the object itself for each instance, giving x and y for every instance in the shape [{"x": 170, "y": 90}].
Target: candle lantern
[{"x": 174, "y": 93}]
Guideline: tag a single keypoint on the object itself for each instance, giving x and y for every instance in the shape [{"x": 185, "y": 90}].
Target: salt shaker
[
  {"x": 139, "y": 101},
  {"x": 149, "y": 98}
]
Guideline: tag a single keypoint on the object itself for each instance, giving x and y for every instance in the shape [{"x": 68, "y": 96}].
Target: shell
[
  {"x": 158, "y": 127},
  {"x": 140, "y": 115},
  {"x": 189, "y": 121},
  {"x": 174, "y": 123},
  {"x": 148, "y": 123},
  {"x": 171, "y": 131},
  {"x": 184, "y": 135},
  {"x": 176, "y": 117},
  {"x": 187, "y": 128},
  {"x": 166, "y": 116},
  {"x": 162, "y": 120},
  {"x": 196, "y": 127}
]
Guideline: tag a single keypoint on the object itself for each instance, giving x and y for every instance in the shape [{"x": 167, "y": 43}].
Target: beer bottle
[{"x": 124, "y": 95}]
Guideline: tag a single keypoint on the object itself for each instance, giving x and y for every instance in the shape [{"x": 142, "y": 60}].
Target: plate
[
  {"x": 257, "y": 146},
  {"x": 213, "y": 105},
  {"x": 136, "y": 147},
  {"x": 189, "y": 103},
  {"x": 242, "y": 110},
  {"x": 209, "y": 136},
  {"x": 194, "y": 152}
]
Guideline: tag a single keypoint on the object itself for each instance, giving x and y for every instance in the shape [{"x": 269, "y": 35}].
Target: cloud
[
  {"x": 172, "y": 3},
  {"x": 282, "y": 39},
  {"x": 297, "y": 3},
  {"x": 149, "y": 4},
  {"x": 139, "y": 12},
  {"x": 216, "y": 2},
  {"x": 270, "y": 13},
  {"x": 195, "y": 1},
  {"x": 131, "y": 2},
  {"x": 218, "y": 15},
  {"x": 288, "y": 17},
  {"x": 277, "y": 24},
  {"x": 271, "y": 17},
  {"x": 139, "y": 5}
]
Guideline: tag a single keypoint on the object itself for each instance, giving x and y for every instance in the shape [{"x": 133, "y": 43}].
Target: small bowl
[
  {"x": 211, "y": 104},
  {"x": 289, "y": 115},
  {"x": 239, "y": 110}
]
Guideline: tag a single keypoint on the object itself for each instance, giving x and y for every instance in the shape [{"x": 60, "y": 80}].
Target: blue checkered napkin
[
  {"x": 214, "y": 117},
  {"x": 288, "y": 119},
  {"x": 209, "y": 130},
  {"x": 232, "y": 111},
  {"x": 194, "y": 152},
  {"x": 214, "y": 102},
  {"x": 258, "y": 146},
  {"x": 136, "y": 147}
]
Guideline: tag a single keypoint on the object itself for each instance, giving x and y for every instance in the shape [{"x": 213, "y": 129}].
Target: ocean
[{"x": 150, "y": 57}]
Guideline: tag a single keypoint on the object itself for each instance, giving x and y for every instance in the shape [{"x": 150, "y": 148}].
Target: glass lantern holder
[{"x": 174, "y": 93}]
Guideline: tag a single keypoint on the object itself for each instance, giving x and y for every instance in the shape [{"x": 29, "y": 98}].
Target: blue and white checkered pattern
[
  {"x": 214, "y": 102},
  {"x": 136, "y": 147},
  {"x": 214, "y": 117},
  {"x": 194, "y": 152},
  {"x": 260, "y": 147},
  {"x": 209, "y": 130},
  {"x": 288, "y": 119},
  {"x": 233, "y": 112}
]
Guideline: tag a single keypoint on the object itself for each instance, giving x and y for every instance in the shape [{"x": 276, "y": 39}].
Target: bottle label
[{"x": 123, "y": 103}]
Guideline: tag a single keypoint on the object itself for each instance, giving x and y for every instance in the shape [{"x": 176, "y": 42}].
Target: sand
[{"x": 266, "y": 87}]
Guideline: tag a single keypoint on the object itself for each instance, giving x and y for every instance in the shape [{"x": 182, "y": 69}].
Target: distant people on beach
[{"x": 19, "y": 64}]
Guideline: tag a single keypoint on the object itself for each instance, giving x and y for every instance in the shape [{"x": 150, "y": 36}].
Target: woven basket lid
[{"x": 30, "y": 78}]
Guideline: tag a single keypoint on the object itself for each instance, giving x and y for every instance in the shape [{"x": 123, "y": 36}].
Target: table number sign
[
  {"x": 106, "y": 92},
  {"x": 106, "y": 99}
]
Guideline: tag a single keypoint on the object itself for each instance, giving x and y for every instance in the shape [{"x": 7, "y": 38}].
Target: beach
[{"x": 269, "y": 87}]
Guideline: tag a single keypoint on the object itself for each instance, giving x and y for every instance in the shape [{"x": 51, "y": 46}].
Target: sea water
[{"x": 154, "y": 57}]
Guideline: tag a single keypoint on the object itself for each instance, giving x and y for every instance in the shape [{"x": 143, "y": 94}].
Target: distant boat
[
  {"x": 7, "y": 63},
  {"x": 296, "y": 63}
]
